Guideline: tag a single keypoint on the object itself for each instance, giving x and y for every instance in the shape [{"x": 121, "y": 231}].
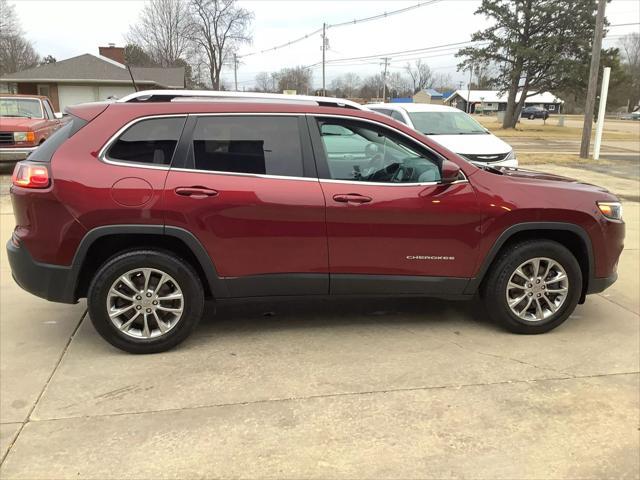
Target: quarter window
[
  {"x": 362, "y": 152},
  {"x": 397, "y": 116},
  {"x": 245, "y": 144},
  {"x": 151, "y": 141}
]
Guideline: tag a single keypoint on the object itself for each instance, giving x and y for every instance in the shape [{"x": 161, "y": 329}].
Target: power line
[{"x": 342, "y": 24}]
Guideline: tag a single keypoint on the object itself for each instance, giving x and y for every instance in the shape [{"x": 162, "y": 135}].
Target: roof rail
[{"x": 195, "y": 95}]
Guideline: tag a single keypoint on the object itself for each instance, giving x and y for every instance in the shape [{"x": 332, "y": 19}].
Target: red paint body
[{"x": 257, "y": 225}]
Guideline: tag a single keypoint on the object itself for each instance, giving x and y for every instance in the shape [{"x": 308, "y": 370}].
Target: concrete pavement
[{"x": 314, "y": 389}]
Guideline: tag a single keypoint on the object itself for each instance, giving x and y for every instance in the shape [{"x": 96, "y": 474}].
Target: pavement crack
[
  {"x": 338, "y": 395},
  {"x": 44, "y": 388}
]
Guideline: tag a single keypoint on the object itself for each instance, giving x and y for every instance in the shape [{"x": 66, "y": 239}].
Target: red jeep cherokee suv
[{"x": 149, "y": 205}]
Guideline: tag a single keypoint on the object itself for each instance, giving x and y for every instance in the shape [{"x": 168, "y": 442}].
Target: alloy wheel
[
  {"x": 537, "y": 289},
  {"x": 145, "y": 303}
]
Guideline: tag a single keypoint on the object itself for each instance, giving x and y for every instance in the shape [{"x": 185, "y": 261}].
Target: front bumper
[
  {"x": 597, "y": 285},
  {"x": 51, "y": 282},
  {"x": 15, "y": 154}
]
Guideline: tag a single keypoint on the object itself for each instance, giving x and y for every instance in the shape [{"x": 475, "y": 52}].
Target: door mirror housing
[
  {"x": 450, "y": 172},
  {"x": 58, "y": 115}
]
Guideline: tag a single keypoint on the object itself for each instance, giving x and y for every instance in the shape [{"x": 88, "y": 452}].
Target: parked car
[
  {"x": 149, "y": 205},
  {"x": 26, "y": 121},
  {"x": 453, "y": 129},
  {"x": 534, "y": 112},
  {"x": 631, "y": 116}
]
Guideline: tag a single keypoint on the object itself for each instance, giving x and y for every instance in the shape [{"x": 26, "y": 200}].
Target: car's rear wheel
[
  {"x": 532, "y": 117},
  {"x": 533, "y": 286},
  {"x": 145, "y": 301}
]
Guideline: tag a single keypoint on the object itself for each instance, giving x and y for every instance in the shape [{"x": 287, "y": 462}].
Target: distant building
[
  {"x": 428, "y": 95},
  {"x": 90, "y": 78},
  {"x": 494, "y": 101},
  {"x": 401, "y": 100}
]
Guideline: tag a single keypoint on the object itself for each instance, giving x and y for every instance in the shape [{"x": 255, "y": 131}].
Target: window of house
[
  {"x": 359, "y": 151},
  {"x": 151, "y": 141},
  {"x": 248, "y": 144}
]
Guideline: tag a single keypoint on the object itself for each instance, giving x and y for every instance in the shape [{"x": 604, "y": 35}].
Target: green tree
[{"x": 535, "y": 44}]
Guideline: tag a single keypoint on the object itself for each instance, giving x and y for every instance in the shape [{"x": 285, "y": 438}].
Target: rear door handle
[
  {"x": 196, "y": 192},
  {"x": 351, "y": 198}
]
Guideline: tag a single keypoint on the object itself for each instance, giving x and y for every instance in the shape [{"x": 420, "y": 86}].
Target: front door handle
[
  {"x": 196, "y": 192},
  {"x": 351, "y": 198}
]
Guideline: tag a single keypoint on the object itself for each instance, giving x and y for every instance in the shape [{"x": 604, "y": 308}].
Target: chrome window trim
[
  {"x": 411, "y": 139},
  {"x": 240, "y": 174},
  {"x": 102, "y": 154}
]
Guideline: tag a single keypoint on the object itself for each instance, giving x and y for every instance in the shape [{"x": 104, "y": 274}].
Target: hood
[
  {"x": 478, "y": 144},
  {"x": 519, "y": 173},
  {"x": 19, "y": 124}
]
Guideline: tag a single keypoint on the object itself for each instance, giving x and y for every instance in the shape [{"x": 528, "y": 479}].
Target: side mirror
[
  {"x": 450, "y": 172},
  {"x": 58, "y": 115}
]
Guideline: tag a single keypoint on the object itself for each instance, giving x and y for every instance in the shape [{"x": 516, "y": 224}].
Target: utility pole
[
  {"x": 235, "y": 69},
  {"x": 593, "y": 81},
  {"x": 385, "y": 61},
  {"x": 324, "y": 48}
]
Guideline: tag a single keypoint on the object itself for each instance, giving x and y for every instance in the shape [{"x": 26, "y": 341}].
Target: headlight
[
  {"x": 611, "y": 210},
  {"x": 511, "y": 155},
  {"x": 24, "y": 136}
]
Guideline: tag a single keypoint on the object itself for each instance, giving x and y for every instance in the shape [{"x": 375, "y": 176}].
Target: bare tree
[
  {"x": 630, "y": 45},
  {"x": 219, "y": 27},
  {"x": 266, "y": 82},
  {"x": 442, "y": 82},
  {"x": 399, "y": 85},
  {"x": 163, "y": 31},
  {"x": 345, "y": 85},
  {"x": 420, "y": 74},
  {"x": 296, "y": 78},
  {"x": 16, "y": 52}
]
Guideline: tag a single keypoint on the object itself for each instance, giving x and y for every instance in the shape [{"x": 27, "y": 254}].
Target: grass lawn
[{"x": 543, "y": 132}]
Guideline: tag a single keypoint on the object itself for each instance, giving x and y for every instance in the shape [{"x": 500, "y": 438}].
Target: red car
[
  {"x": 26, "y": 121},
  {"x": 152, "y": 204}
]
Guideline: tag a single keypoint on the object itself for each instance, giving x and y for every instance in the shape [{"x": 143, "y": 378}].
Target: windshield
[
  {"x": 20, "y": 107},
  {"x": 445, "y": 123}
]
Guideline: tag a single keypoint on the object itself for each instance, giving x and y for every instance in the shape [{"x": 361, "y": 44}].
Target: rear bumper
[
  {"x": 597, "y": 285},
  {"x": 51, "y": 282},
  {"x": 15, "y": 154}
]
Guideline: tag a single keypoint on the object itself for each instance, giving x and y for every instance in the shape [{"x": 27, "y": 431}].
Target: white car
[{"x": 453, "y": 129}]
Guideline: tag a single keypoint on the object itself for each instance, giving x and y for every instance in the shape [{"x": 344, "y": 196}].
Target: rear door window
[
  {"x": 151, "y": 141},
  {"x": 397, "y": 116},
  {"x": 267, "y": 145}
]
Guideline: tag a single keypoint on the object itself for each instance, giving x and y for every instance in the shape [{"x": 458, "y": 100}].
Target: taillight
[{"x": 28, "y": 175}]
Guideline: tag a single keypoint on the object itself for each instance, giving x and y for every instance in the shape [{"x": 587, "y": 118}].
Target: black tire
[
  {"x": 495, "y": 286},
  {"x": 177, "y": 268},
  {"x": 532, "y": 117}
]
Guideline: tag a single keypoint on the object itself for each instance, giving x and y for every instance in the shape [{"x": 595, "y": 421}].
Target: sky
[{"x": 66, "y": 28}]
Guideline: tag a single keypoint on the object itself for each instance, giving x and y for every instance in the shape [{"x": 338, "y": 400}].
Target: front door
[
  {"x": 392, "y": 227},
  {"x": 248, "y": 195}
]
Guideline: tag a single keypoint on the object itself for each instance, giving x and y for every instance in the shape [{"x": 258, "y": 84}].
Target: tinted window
[
  {"x": 397, "y": 116},
  {"x": 148, "y": 141},
  {"x": 239, "y": 144},
  {"x": 384, "y": 111},
  {"x": 45, "y": 151},
  {"x": 367, "y": 153}
]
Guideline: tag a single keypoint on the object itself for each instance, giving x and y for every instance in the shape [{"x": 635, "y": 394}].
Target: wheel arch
[
  {"x": 570, "y": 235},
  {"x": 102, "y": 243}
]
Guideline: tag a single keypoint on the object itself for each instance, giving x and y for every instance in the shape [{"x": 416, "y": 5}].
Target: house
[
  {"x": 494, "y": 101},
  {"x": 428, "y": 95},
  {"x": 90, "y": 78}
]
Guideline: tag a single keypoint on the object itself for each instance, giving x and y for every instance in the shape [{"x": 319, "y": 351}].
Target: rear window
[
  {"x": 151, "y": 141},
  {"x": 245, "y": 144},
  {"x": 45, "y": 151}
]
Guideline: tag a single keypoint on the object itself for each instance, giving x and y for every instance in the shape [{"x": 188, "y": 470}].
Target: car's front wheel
[
  {"x": 533, "y": 286},
  {"x": 145, "y": 301},
  {"x": 532, "y": 117}
]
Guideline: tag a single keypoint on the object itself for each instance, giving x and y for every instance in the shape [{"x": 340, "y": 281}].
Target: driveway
[{"x": 316, "y": 389}]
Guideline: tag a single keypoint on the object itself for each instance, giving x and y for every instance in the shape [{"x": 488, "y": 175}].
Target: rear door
[{"x": 248, "y": 190}]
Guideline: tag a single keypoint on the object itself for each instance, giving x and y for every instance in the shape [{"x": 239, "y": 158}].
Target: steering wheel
[{"x": 400, "y": 174}]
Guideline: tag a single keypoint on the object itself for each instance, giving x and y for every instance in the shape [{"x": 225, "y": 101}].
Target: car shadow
[{"x": 263, "y": 315}]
